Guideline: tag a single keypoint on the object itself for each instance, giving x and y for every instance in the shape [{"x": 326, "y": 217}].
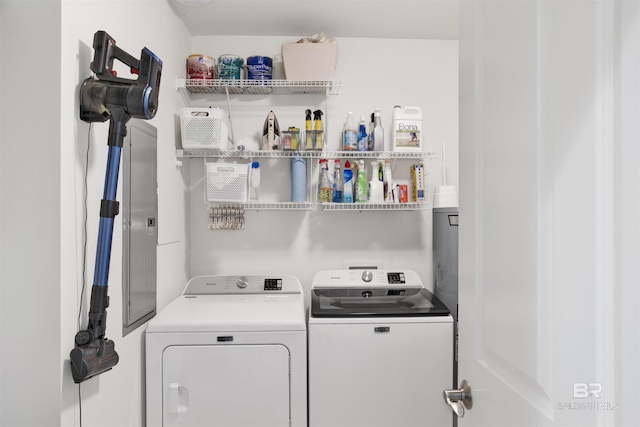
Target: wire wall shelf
[
  {"x": 200, "y": 153},
  {"x": 259, "y": 87},
  {"x": 414, "y": 206},
  {"x": 266, "y": 206}
]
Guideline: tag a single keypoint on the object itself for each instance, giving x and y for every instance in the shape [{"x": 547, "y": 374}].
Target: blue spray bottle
[
  {"x": 363, "y": 138},
  {"x": 347, "y": 195}
]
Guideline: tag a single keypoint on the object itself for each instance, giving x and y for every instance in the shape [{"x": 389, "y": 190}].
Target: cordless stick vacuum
[{"x": 107, "y": 97}]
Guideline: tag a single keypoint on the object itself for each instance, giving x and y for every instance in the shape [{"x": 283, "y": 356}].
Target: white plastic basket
[
  {"x": 227, "y": 182},
  {"x": 204, "y": 128}
]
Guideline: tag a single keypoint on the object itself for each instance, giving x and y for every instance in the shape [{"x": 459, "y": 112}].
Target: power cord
[{"x": 84, "y": 252}]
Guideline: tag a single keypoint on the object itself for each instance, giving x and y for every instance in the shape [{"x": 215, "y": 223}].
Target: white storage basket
[
  {"x": 309, "y": 61},
  {"x": 204, "y": 128},
  {"x": 227, "y": 182}
]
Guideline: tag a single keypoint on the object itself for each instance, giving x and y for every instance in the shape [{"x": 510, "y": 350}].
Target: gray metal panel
[
  {"x": 445, "y": 257},
  {"x": 139, "y": 224},
  {"x": 445, "y": 266}
]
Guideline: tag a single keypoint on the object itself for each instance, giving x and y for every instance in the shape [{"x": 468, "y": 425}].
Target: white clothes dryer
[
  {"x": 230, "y": 351},
  {"x": 380, "y": 351}
]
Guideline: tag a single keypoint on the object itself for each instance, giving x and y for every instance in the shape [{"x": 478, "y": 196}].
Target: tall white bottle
[
  {"x": 377, "y": 136},
  {"x": 376, "y": 185}
]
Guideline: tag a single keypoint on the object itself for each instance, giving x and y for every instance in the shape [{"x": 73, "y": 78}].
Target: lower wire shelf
[
  {"x": 265, "y": 206},
  {"x": 413, "y": 206}
]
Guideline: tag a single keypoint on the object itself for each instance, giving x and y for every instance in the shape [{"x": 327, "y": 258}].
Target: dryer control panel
[{"x": 237, "y": 285}]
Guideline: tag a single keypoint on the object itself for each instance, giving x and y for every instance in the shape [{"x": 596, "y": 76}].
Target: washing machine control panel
[
  {"x": 242, "y": 282},
  {"x": 369, "y": 278},
  {"x": 395, "y": 278},
  {"x": 272, "y": 284},
  {"x": 249, "y": 284}
]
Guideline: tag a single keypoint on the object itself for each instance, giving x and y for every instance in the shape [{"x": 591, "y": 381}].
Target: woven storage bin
[
  {"x": 204, "y": 128},
  {"x": 227, "y": 182}
]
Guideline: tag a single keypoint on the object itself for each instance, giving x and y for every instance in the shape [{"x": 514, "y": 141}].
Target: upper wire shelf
[{"x": 259, "y": 87}]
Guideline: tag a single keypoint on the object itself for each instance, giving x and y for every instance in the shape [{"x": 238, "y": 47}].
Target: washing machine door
[{"x": 226, "y": 385}]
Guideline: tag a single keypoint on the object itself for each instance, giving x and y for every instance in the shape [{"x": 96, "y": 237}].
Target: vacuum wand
[{"x": 108, "y": 97}]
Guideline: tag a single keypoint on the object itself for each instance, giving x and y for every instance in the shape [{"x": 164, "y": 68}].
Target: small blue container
[{"x": 259, "y": 68}]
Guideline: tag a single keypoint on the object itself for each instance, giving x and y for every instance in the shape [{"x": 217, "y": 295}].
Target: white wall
[
  {"x": 42, "y": 187},
  {"x": 47, "y": 48},
  {"x": 30, "y": 309},
  {"x": 377, "y": 74},
  {"x": 134, "y": 25}
]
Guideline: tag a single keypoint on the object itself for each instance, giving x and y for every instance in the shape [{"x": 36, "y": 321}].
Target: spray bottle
[
  {"x": 317, "y": 127},
  {"x": 388, "y": 182},
  {"x": 324, "y": 183},
  {"x": 376, "y": 186},
  {"x": 350, "y": 134},
  {"x": 348, "y": 183},
  {"x": 371, "y": 127},
  {"x": 307, "y": 128},
  {"x": 377, "y": 137},
  {"x": 338, "y": 183},
  {"x": 361, "y": 183},
  {"x": 363, "y": 139}
]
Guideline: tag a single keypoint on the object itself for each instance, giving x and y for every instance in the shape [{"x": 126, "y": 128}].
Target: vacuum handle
[{"x": 105, "y": 51}]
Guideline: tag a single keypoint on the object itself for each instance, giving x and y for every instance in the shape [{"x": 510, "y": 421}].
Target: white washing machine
[
  {"x": 230, "y": 351},
  {"x": 380, "y": 351}
]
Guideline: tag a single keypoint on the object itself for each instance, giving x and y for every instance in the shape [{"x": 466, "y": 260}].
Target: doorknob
[{"x": 459, "y": 398}]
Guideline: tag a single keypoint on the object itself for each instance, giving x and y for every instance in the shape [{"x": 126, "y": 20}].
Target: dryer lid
[
  {"x": 249, "y": 303},
  {"x": 218, "y": 313}
]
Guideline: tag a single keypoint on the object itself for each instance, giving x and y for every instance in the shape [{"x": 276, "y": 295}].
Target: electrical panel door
[{"x": 139, "y": 225}]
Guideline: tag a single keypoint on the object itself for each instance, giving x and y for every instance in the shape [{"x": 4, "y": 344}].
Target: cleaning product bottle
[
  {"x": 363, "y": 140},
  {"x": 377, "y": 137},
  {"x": 376, "y": 186},
  {"x": 317, "y": 128},
  {"x": 371, "y": 126},
  {"x": 254, "y": 177},
  {"x": 354, "y": 168},
  {"x": 324, "y": 183},
  {"x": 361, "y": 183},
  {"x": 407, "y": 129},
  {"x": 338, "y": 183},
  {"x": 307, "y": 131},
  {"x": 388, "y": 182},
  {"x": 350, "y": 134},
  {"x": 348, "y": 183}
]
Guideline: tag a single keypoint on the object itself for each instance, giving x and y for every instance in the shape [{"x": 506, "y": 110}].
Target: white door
[{"x": 549, "y": 212}]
